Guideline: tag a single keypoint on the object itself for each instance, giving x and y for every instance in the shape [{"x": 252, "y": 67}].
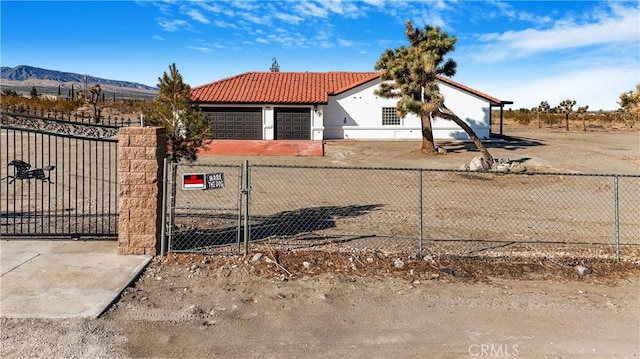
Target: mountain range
[{"x": 23, "y": 78}]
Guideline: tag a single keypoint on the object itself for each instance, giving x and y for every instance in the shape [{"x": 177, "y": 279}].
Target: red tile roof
[
  {"x": 293, "y": 87},
  {"x": 280, "y": 87}
]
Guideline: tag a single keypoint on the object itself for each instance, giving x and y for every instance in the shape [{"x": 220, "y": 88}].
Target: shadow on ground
[
  {"x": 286, "y": 223},
  {"x": 510, "y": 143}
]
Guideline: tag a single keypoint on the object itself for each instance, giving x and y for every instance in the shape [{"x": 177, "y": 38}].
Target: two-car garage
[{"x": 246, "y": 123}]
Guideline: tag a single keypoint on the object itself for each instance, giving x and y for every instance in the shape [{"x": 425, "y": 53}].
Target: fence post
[
  {"x": 141, "y": 151},
  {"x": 245, "y": 192},
  {"x": 172, "y": 204},
  {"x": 163, "y": 233},
  {"x": 616, "y": 207},
  {"x": 420, "y": 239}
]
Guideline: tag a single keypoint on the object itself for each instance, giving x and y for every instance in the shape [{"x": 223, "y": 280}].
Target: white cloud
[
  {"x": 345, "y": 43},
  {"x": 311, "y": 9},
  {"x": 173, "y": 25},
  {"x": 159, "y": 38},
  {"x": 202, "y": 49},
  {"x": 289, "y": 18},
  {"x": 224, "y": 24},
  {"x": 376, "y": 3},
  {"x": 598, "y": 88},
  {"x": 255, "y": 19},
  {"x": 197, "y": 16},
  {"x": 208, "y": 6},
  {"x": 615, "y": 27}
]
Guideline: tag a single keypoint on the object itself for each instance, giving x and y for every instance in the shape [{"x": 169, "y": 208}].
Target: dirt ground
[
  {"x": 276, "y": 304},
  {"x": 605, "y": 151}
]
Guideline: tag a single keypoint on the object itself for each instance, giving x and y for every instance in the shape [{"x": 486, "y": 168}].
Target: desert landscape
[{"x": 313, "y": 304}]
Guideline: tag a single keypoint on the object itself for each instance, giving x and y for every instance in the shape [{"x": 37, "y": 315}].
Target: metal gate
[
  {"x": 205, "y": 208},
  {"x": 59, "y": 175}
]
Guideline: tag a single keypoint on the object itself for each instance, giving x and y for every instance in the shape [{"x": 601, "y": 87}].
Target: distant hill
[{"x": 23, "y": 78}]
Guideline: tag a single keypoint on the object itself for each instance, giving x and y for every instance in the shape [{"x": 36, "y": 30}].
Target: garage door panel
[
  {"x": 293, "y": 123},
  {"x": 235, "y": 123}
]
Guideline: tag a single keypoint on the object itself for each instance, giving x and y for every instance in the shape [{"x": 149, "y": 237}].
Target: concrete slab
[
  {"x": 263, "y": 148},
  {"x": 63, "y": 279}
]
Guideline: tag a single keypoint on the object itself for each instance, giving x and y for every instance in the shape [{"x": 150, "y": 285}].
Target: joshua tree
[
  {"x": 411, "y": 75},
  {"x": 94, "y": 96},
  {"x": 582, "y": 113},
  {"x": 630, "y": 105},
  {"x": 566, "y": 107},
  {"x": 542, "y": 108}
]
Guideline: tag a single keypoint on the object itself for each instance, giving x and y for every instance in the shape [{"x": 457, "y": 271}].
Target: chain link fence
[{"x": 418, "y": 212}]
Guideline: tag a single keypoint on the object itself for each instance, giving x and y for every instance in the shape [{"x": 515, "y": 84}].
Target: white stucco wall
[
  {"x": 357, "y": 114},
  {"x": 470, "y": 108}
]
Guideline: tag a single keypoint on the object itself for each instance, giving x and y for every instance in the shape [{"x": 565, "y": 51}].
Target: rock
[
  {"x": 256, "y": 257},
  {"x": 193, "y": 310},
  {"x": 517, "y": 167},
  {"x": 582, "y": 270},
  {"x": 306, "y": 264},
  {"x": 441, "y": 150},
  {"x": 464, "y": 167},
  {"x": 478, "y": 164},
  {"x": 194, "y": 267},
  {"x": 398, "y": 264},
  {"x": 448, "y": 271},
  {"x": 501, "y": 168}
]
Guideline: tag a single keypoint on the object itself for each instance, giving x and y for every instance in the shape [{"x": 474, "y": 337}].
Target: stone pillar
[{"x": 141, "y": 153}]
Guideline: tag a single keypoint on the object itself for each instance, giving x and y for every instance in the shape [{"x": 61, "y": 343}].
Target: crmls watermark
[{"x": 493, "y": 350}]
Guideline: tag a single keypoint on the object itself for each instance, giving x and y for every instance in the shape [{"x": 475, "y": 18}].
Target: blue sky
[{"x": 522, "y": 51}]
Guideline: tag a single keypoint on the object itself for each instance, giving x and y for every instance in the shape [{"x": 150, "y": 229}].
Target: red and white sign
[{"x": 193, "y": 181}]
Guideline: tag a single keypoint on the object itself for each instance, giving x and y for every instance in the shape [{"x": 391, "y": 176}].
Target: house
[{"x": 329, "y": 105}]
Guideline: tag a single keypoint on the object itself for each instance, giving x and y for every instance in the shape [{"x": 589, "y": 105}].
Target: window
[{"x": 390, "y": 117}]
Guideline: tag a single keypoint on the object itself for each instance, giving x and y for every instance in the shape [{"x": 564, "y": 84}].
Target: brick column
[{"x": 141, "y": 152}]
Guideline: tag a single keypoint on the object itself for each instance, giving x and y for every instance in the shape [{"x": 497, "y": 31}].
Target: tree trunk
[
  {"x": 538, "y": 117},
  {"x": 566, "y": 120},
  {"x": 584, "y": 123},
  {"x": 449, "y": 115},
  {"x": 428, "y": 146}
]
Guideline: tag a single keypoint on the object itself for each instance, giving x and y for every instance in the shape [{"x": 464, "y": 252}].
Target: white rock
[
  {"x": 516, "y": 167},
  {"x": 306, "y": 264},
  {"x": 398, "y": 264},
  {"x": 478, "y": 164},
  {"x": 501, "y": 168},
  {"x": 582, "y": 270},
  {"x": 256, "y": 257}
]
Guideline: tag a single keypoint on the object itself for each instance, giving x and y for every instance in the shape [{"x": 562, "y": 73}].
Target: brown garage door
[
  {"x": 235, "y": 123},
  {"x": 293, "y": 124}
]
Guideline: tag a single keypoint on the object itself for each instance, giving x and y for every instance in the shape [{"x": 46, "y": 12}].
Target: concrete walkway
[{"x": 63, "y": 279}]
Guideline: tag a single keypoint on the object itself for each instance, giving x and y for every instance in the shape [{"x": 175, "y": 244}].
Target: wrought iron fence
[
  {"x": 59, "y": 174},
  {"x": 417, "y": 211}
]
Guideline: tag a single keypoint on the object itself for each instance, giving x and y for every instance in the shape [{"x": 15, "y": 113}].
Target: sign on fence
[
  {"x": 215, "y": 180},
  {"x": 193, "y": 181},
  {"x": 202, "y": 181}
]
